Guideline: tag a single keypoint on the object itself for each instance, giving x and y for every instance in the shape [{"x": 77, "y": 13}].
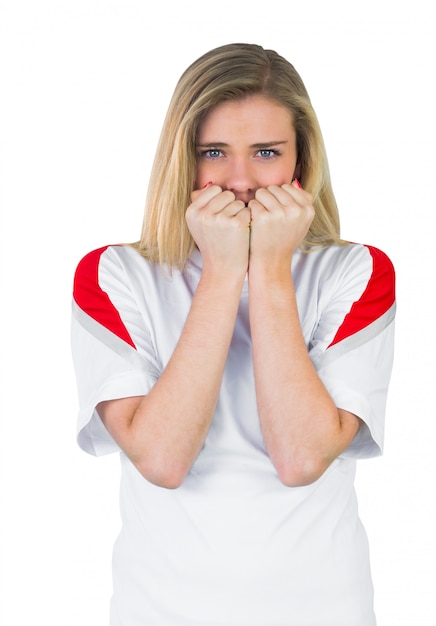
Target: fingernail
[
  {"x": 207, "y": 184},
  {"x": 296, "y": 183}
]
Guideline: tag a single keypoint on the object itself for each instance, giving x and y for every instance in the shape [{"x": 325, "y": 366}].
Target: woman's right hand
[
  {"x": 163, "y": 432},
  {"x": 220, "y": 226}
]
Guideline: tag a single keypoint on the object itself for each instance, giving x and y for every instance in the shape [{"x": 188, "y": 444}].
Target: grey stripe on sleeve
[
  {"x": 112, "y": 341},
  {"x": 356, "y": 340}
]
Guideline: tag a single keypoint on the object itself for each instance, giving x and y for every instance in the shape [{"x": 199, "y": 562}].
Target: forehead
[{"x": 254, "y": 115}]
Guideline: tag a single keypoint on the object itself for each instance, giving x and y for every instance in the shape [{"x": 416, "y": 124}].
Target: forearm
[
  {"x": 303, "y": 429},
  {"x": 168, "y": 427}
]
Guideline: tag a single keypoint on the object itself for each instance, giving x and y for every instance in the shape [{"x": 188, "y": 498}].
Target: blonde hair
[{"x": 230, "y": 72}]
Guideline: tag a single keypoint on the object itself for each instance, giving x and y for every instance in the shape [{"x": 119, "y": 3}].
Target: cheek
[
  {"x": 278, "y": 176},
  {"x": 288, "y": 171},
  {"x": 204, "y": 176}
]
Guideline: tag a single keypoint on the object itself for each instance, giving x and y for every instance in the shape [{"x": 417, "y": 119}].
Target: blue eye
[
  {"x": 211, "y": 153},
  {"x": 268, "y": 153}
]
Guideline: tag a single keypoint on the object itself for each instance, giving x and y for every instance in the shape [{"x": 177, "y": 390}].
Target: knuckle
[{"x": 189, "y": 211}]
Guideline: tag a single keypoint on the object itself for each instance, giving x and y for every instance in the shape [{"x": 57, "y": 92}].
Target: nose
[{"x": 241, "y": 180}]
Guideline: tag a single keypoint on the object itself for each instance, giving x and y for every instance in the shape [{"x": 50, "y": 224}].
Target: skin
[{"x": 248, "y": 214}]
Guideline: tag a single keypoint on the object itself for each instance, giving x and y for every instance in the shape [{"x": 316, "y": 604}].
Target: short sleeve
[
  {"x": 113, "y": 355},
  {"x": 353, "y": 344}
]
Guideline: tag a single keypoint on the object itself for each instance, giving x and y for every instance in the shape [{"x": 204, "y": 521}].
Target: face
[{"x": 245, "y": 145}]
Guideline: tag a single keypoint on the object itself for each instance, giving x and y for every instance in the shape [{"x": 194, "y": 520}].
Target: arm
[
  {"x": 163, "y": 432},
  {"x": 304, "y": 431}
]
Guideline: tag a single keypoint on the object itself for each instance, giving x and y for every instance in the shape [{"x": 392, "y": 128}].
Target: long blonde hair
[{"x": 230, "y": 72}]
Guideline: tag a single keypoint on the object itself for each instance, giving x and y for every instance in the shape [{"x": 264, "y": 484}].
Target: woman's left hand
[{"x": 280, "y": 219}]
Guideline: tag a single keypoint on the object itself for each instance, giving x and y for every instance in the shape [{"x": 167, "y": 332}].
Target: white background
[{"x": 84, "y": 87}]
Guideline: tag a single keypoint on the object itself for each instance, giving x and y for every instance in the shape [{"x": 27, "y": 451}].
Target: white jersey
[{"x": 233, "y": 546}]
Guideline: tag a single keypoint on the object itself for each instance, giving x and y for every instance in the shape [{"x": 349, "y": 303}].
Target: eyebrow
[{"x": 258, "y": 146}]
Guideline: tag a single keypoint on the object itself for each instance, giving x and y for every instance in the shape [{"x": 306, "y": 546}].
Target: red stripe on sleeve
[
  {"x": 377, "y": 298},
  {"x": 91, "y": 298}
]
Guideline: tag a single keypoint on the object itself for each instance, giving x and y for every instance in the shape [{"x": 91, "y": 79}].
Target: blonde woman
[{"x": 238, "y": 358}]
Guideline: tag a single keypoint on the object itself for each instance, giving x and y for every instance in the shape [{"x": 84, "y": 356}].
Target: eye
[
  {"x": 268, "y": 153},
  {"x": 210, "y": 153}
]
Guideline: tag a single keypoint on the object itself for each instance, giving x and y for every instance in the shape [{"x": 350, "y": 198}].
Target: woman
[{"x": 238, "y": 357}]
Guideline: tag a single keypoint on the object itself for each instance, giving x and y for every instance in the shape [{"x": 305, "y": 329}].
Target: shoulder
[
  {"x": 350, "y": 275},
  {"x": 113, "y": 259},
  {"x": 353, "y": 260},
  {"x": 119, "y": 270},
  {"x": 351, "y": 250},
  {"x": 89, "y": 263},
  {"x": 367, "y": 281},
  {"x": 110, "y": 263},
  {"x": 374, "y": 263},
  {"x": 101, "y": 287},
  {"x": 380, "y": 260}
]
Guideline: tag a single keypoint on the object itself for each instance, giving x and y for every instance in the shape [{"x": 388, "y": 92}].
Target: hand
[
  {"x": 220, "y": 226},
  {"x": 281, "y": 217}
]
